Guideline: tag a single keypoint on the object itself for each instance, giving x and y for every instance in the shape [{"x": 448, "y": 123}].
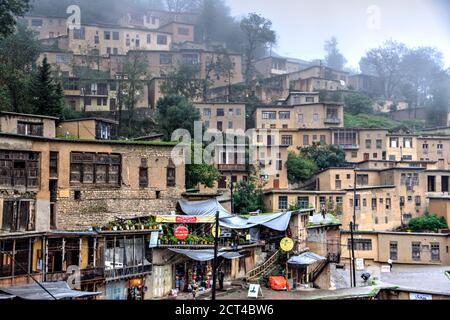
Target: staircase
[
  {"x": 264, "y": 268},
  {"x": 317, "y": 271}
]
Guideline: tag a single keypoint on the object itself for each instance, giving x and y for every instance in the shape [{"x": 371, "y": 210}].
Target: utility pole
[
  {"x": 216, "y": 246},
  {"x": 231, "y": 191},
  {"x": 354, "y": 197},
  {"x": 353, "y": 254}
]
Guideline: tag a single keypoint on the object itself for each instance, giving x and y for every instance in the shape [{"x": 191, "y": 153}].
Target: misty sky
[{"x": 304, "y": 25}]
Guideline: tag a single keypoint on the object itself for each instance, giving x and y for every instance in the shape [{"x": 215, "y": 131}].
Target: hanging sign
[
  {"x": 181, "y": 233},
  {"x": 286, "y": 244},
  {"x": 185, "y": 219}
]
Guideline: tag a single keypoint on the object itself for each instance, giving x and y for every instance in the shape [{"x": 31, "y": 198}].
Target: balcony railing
[
  {"x": 85, "y": 275},
  {"x": 124, "y": 272},
  {"x": 232, "y": 167},
  {"x": 332, "y": 121}
]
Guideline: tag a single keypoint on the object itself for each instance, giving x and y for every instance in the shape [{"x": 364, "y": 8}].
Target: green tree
[
  {"x": 203, "y": 173},
  {"x": 47, "y": 96},
  {"x": 18, "y": 53},
  {"x": 385, "y": 61},
  {"x": 176, "y": 112},
  {"x": 9, "y": 10},
  {"x": 428, "y": 222},
  {"x": 248, "y": 197},
  {"x": 325, "y": 156},
  {"x": 184, "y": 81},
  {"x": 218, "y": 65},
  {"x": 419, "y": 69},
  {"x": 334, "y": 58},
  {"x": 300, "y": 168},
  {"x": 135, "y": 69},
  {"x": 258, "y": 33},
  {"x": 357, "y": 103},
  {"x": 439, "y": 100}
]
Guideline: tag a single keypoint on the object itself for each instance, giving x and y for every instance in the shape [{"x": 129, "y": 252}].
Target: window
[
  {"x": 309, "y": 99},
  {"x": 379, "y": 144},
  {"x": 305, "y": 140},
  {"x": 149, "y": 38},
  {"x": 127, "y": 41},
  {"x": 323, "y": 139},
  {"x": 30, "y": 128},
  {"x": 102, "y": 101},
  {"x": 435, "y": 252},
  {"x": 143, "y": 174},
  {"x": 345, "y": 138},
  {"x": 362, "y": 179},
  {"x": 79, "y": 34},
  {"x": 108, "y": 50},
  {"x": 161, "y": 39},
  {"x": 183, "y": 31},
  {"x": 407, "y": 143},
  {"x": 360, "y": 244},
  {"x": 368, "y": 144},
  {"x": 286, "y": 140},
  {"x": 115, "y": 51},
  {"x": 374, "y": 203},
  {"x": 282, "y": 202},
  {"x": 418, "y": 201},
  {"x": 431, "y": 184},
  {"x": 171, "y": 174},
  {"x": 37, "y": 22},
  {"x": 95, "y": 168},
  {"x": 19, "y": 169},
  {"x": 107, "y": 35},
  {"x": 393, "y": 250},
  {"x": 165, "y": 58},
  {"x": 269, "y": 115},
  {"x": 115, "y": 35},
  {"x": 18, "y": 215},
  {"x": 230, "y": 124},
  {"x": 300, "y": 118},
  {"x": 207, "y": 112},
  {"x": 338, "y": 184},
  {"x": 191, "y": 58},
  {"x": 220, "y": 112},
  {"x": 415, "y": 251},
  {"x": 53, "y": 164},
  {"x": 303, "y": 202},
  {"x": 63, "y": 59},
  {"x": 284, "y": 115},
  {"x": 393, "y": 142},
  {"x": 238, "y": 111},
  {"x": 388, "y": 203},
  {"x": 315, "y": 117}
]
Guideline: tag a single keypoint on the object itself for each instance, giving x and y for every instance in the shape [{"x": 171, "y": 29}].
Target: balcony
[
  {"x": 349, "y": 146},
  {"x": 332, "y": 121},
  {"x": 86, "y": 275},
  {"x": 124, "y": 272},
  {"x": 232, "y": 167}
]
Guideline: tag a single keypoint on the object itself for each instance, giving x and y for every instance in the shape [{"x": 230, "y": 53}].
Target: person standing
[
  {"x": 221, "y": 278},
  {"x": 390, "y": 262}
]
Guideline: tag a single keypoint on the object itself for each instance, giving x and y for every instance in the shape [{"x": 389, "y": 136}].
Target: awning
[
  {"x": 203, "y": 208},
  {"x": 306, "y": 259},
  {"x": 275, "y": 221},
  {"x": 60, "y": 290},
  {"x": 6, "y": 296},
  {"x": 206, "y": 255}
]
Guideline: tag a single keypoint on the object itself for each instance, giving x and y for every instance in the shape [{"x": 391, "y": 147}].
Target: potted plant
[{"x": 173, "y": 240}]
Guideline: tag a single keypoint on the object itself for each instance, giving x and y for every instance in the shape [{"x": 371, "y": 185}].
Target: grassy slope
[{"x": 377, "y": 121}]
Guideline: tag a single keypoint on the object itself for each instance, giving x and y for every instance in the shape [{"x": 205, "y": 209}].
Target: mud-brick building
[{"x": 66, "y": 184}]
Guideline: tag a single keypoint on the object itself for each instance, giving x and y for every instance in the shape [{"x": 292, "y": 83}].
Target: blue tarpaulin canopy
[
  {"x": 60, "y": 290},
  {"x": 275, "y": 221},
  {"x": 305, "y": 259},
  {"x": 206, "y": 255}
]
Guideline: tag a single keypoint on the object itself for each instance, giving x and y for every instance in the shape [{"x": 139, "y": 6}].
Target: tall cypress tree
[{"x": 46, "y": 93}]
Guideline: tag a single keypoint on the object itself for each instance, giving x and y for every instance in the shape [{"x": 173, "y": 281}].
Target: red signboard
[
  {"x": 180, "y": 219},
  {"x": 181, "y": 233}
]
